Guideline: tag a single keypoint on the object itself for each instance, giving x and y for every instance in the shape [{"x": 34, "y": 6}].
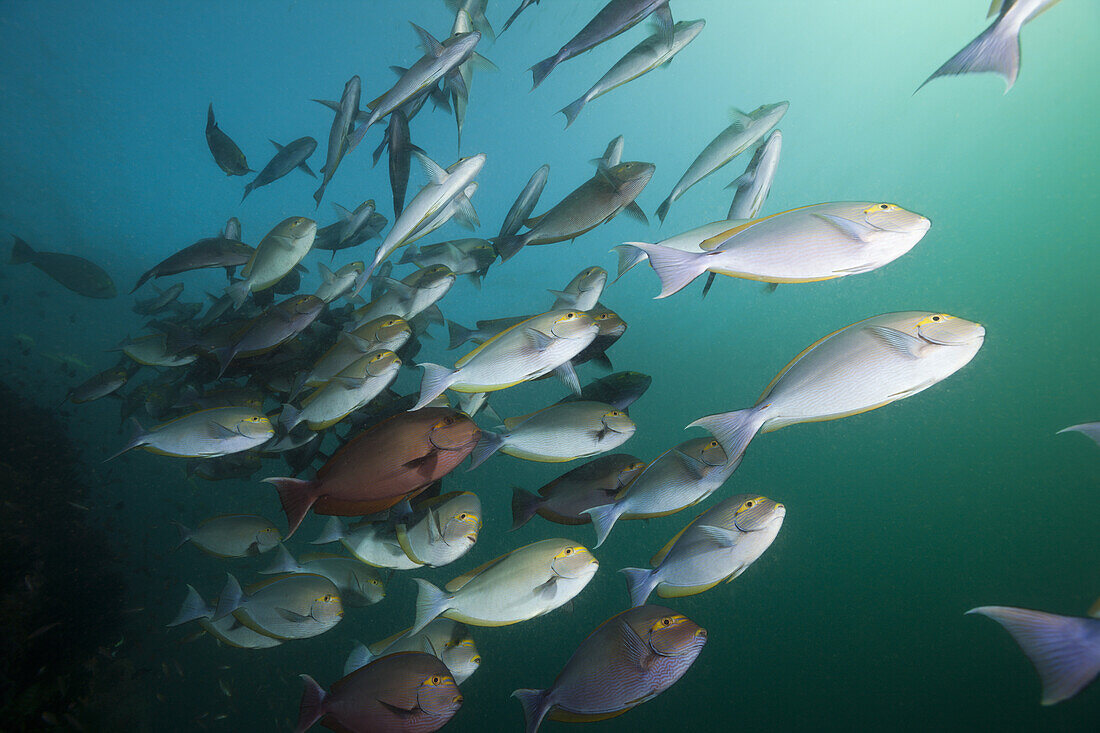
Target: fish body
[
  {"x": 353, "y": 228},
  {"x": 997, "y": 49},
  {"x": 565, "y": 499},
  {"x": 524, "y": 4},
  {"x": 742, "y": 133},
  {"x": 442, "y": 529},
  {"x": 205, "y": 434},
  {"x": 808, "y": 244},
  {"x": 391, "y": 461},
  {"x": 597, "y": 200},
  {"x": 384, "y": 333},
  {"x": 336, "y": 284},
  {"x": 651, "y": 53},
  {"x": 614, "y": 18},
  {"x": 407, "y": 692},
  {"x": 680, "y": 477},
  {"x": 212, "y": 252},
  {"x": 342, "y": 125},
  {"x": 277, "y": 325},
  {"x": 470, "y": 256},
  {"x": 359, "y": 584},
  {"x": 409, "y": 297},
  {"x": 287, "y": 158},
  {"x": 352, "y": 388},
  {"x": 525, "y": 203},
  {"x": 448, "y": 640},
  {"x": 275, "y": 256},
  {"x": 163, "y": 299},
  {"x": 718, "y": 545},
  {"x": 620, "y": 390},
  {"x": 755, "y": 183},
  {"x": 226, "y": 153},
  {"x": 77, "y": 274},
  {"x": 525, "y": 583},
  {"x": 629, "y": 659},
  {"x": 101, "y": 385},
  {"x": 520, "y": 353},
  {"x": 561, "y": 432},
  {"x": 583, "y": 291},
  {"x": 292, "y": 606},
  {"x": 400, "y": 147},
  {"x": 861, "y": 367},
  {"x": 232, "y": 535}
]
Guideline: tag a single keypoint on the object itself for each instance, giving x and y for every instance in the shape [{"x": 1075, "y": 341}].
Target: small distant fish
[
  {"x": 342, "y": 125},
  {"x": 226, "y": 153},
  {"x": 1065, "y": 650},
  {"x": 287, "y": 158},
  {"x": 997, "y": 49},
  {"x": 274, "y": 327},
  {"x": 101, "y": 385},
  {"x": 629, "y": 659},
  {"x": 75, "y": 273},
  {"x": 524, "y": 4},
  {"x": 1089, "y": 429}
]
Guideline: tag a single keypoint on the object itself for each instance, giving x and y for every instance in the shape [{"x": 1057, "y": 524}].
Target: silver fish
[{"x": 338, "y": 133}]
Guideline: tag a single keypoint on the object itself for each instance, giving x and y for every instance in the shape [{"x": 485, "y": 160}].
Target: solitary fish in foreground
[
  {"x": 861, "y": 367},
  {"x": 407, "y": 692},
  {"x": 629, "y": 659},
  {"x": 79, "y": 275},
  {"x": 226, "y": 153},
  {"x": 1089, "y": 429},
  {"x": 287, "y": 158},
  {"x": 520, "y": 585},
  {"x": 808, "y": 244},
  {"x": 718, "y": 545},
  {"x": 204, "y": 434},
  {"x": 1064, "y": 649},
  {"x": 997, "y": 49}
]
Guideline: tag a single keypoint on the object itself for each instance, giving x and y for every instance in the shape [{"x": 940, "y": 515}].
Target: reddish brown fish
[
  {"x": 407, "y": 692},
  {"x": 393, "y": 460}
]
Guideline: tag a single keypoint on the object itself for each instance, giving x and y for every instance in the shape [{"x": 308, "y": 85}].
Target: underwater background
[{"x": 899, "y": 520}]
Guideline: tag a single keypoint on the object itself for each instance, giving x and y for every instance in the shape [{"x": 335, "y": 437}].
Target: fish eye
[
  {"x": 568, "y": 551},
  {"x": 476, "y": 660},
  {"x": 750, "y": 504},
  {"x": 436, "y": 680},
  {"x": 666, "y": 621},
  {"x": 884, "y": 206},
  {"x": 936, "y": 319}
]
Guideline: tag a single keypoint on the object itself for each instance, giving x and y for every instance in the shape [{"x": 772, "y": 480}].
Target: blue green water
[{"x": 899, "y": 520}]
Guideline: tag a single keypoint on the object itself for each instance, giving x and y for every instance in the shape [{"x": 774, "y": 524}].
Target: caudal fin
[
  {"x": 360, "y": 657},
  {"x": 334, "y": 531},
  {"x": 640, "y": 582},
  {"x": 238, "y": 292},
  {"x": 662, "y": 210},
  {"x": 997, "y": 49},
  {"x": 185, "y": 535},
  {"x": 573, "y": 109},
  {"x": 435, "y": 381},
  {"x": 312, "y": 707},
  {"x": 543, "y": 68},
  {"x": 430, "y": 603},
  {"x": 230, "y": 598},
  {"x": 603, "y": 519},
  {"x": 194, "y": 607},
  {"x": 524, "y": 506},
  {"x": 1065, "y": 650},
  {"x": 487, "y": 445},
  {"x": 138, "y": 437},
  {"x": 534, "y": 707},
  {"x": 458, "y": 334},
  {"x": 296, "y": 496},
  {"x": 674, "y": 267},
  {"x": 734, "y": 430},
  {"x": 629, "y": 256},
  {"x": 284, "y": 563},
  {"x": 21, "y": 252},
  {"x": 507, "y": 247}
]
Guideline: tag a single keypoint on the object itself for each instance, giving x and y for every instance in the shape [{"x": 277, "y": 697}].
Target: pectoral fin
[
  {"x": 854, "y": 229},
  {"x": 900, "y": 342}
]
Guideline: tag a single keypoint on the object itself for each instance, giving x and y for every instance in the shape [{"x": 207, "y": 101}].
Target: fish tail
[
  {"x": 524, "y": 506},
  {"x": 1064, "y": 650},
  {"x": 411, "y": 253},
  {"x": 143, "y": 279},
  {"x": 247, "y": 190},
  {"x": 573, "y": 109},
  {"x": 734, "y": 430},
  {"x": 138, "y": 437},
  {"x": 224, "y": 355},
  {"x": 629, "y": 255},
  {"x": 458, "y": 334},
  {"x": 194, "y": 607},
  {"x": 506, "y": 247},
  {"x": 674, "y": 267},
  {"x": 997, "y": 49},
  {"x": 320, "y": 192},
  {"x": 535, "y": 707},
  {"x": 603, "y": 519},
  {"x": 21, "y": 252},
  {"x": 312, "y": 707},
  {"x": 290, "y": 417},
  {"x": 238, "y": 292},
  {"x": 333, "y": 531},
  {"x": 230, "y": 598},
  {"x": 296, "y": 496},
  {"x": 662, "y": 210},
  {"x": 210, "y": 123},
  {"x": 543, "y": 68},
  {"x": 185, "y": 535},
  {"x": 640, "y": 582},
  {"x": 436, "y": 379},
  {"x": 359, "y": 657},
  {"x": 284, "y": 562},
  {"x": 430, "y": 603},
  {"x": 487, "y": 445}
]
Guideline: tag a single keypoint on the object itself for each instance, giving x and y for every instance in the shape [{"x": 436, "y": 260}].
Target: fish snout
[
  {"x": 457, "y": 700},
  {"x": 701, "y": 633}
]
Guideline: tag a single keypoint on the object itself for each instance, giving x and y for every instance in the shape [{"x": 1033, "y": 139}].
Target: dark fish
[
  {"x": 564, "y": 499},
  {"x": 212, "y": 252},
  {"x": 353, "y": 228},
  {"x": 522, "y": 6},
  {"x": 615, "y": 17},
  {"x": 405, "y": 692},
  {"x": 338, "y": 133},
  {"x": 391, "y": 461},
  {"x": 226, "y": 153},
  {"x": 158, "y": 302},
  {"x": 630, "y": 659},
  {"x": 401, "y": 147},
  {"x": 278, "y": 324},
  {"x": 620, "y": 390},
  {"x": 75, "y": 273},
  {"x": 286, "y": 159},
  {"x": 101, "y": 385}
]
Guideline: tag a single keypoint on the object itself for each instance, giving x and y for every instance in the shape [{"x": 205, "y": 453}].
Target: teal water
[{"x": 899, "y": 520}]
